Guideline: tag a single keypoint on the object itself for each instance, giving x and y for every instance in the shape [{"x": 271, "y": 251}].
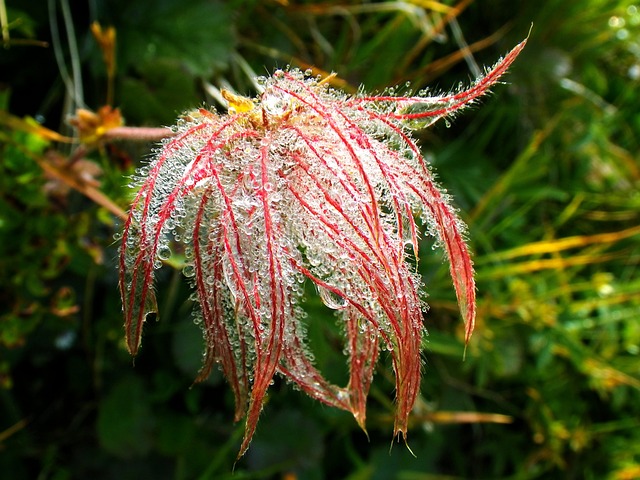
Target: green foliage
[
  {"x": 546, "y": 174},
  {"x": 125, "y": 422}
]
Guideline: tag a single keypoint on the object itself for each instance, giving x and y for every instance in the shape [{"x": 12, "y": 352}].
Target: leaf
[
  {"x": 125, "y": 422},
  {"x": 291, "y": 440},
  {"x": 195, "y": 33},
  {"x": 159, "y": 91}
]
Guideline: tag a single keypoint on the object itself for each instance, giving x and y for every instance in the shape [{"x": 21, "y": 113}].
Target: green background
[{"x": 545, "y": 171}]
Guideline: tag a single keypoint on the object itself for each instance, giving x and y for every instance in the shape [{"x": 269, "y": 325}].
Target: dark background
[{"x": 545, "y": 172}]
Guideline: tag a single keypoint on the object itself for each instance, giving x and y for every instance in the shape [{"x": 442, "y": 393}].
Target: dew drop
[
  {"x": 342, "y": 395},
  {"x": 622, "y": 34},
  {"x": 331, "y": 299},
  {"x": 274, "y": 104},
  {"x": 189, "y": 271},
  {"x": 164, "y": 252}
]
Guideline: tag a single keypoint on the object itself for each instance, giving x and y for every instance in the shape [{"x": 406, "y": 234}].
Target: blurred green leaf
[
  {"x": 125, "y": 421},
  {"x": 196, "y": 34},
  {"x": 291, "y": 441},
  {"x": 160, "y": 94}
]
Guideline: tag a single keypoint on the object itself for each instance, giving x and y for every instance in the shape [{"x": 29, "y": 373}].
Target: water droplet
[
  {"x": 331, "y": 299},
  {"x": 189, "y": 271},
  {"x": 164, "y": 252},
  {"x": 616, "y": 22},
  {"x": 274, "y": 103},
  {"x": 622, "y": 34},
  {"x": 342, "y": 395}
]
